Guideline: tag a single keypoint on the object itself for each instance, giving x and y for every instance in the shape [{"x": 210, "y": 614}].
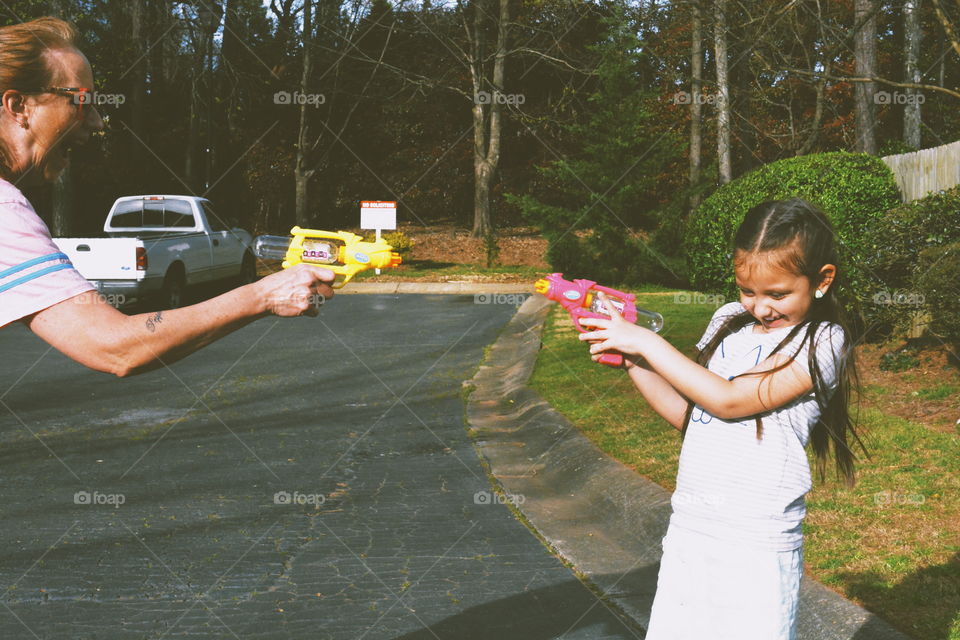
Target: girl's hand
[
  {"x": 615, "y": 334},
  {"x": 629, "y": 362}
]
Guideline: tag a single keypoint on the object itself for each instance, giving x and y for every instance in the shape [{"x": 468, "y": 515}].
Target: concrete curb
[
  {"x": 602, "y": 517},
  {"x": 443, "y": 288}
]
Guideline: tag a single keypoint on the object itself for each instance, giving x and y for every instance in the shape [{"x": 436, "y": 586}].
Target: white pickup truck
[{"x": 156, "y": 246}]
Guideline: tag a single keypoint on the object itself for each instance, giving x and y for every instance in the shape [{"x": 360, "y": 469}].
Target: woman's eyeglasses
[{"x": 80, "y": 95}]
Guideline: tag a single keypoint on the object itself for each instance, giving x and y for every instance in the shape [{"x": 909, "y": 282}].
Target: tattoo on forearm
[{"x": 154, "y": 320}]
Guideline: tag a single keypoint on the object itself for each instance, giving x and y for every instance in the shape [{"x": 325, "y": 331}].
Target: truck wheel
[
  {"x": 172, "y": 293},
  {"x": 248, "y": 269}
]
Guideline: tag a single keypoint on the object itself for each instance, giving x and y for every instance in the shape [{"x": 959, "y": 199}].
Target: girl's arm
[
  {"x": 743, "y": 396},
  {"x": 659, "y": 394}
]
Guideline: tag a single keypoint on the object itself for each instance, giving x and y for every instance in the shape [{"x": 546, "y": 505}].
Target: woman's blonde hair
[{"x": 22, "y": 47}]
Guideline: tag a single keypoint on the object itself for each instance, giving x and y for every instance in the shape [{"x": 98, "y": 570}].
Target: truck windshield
[{"x": 138, "y": 214}]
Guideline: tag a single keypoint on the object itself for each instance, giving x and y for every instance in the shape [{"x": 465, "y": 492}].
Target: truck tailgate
[{"x": 103, "y": 258}]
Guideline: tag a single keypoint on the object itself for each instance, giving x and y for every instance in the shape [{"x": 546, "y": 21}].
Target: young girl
[{"x": 773, "y": 372}]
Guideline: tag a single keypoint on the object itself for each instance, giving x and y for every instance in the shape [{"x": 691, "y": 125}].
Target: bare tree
[
  {"x": 865, "y": 54},
  {"x": 911, "y": 72},
  {"x": 696, "y": 107},
  {"x": 487, "y": 113},
  {"x": 723, "y": 90},
  {"x": 62, "y": 194},
  {"x": 301, "y": 172}
]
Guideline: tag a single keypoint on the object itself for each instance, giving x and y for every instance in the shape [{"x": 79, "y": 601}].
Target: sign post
[{"x": 378, "y": 215}]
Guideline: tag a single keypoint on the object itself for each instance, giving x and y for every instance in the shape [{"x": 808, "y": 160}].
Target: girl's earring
[{"x": 818, "y": 294}]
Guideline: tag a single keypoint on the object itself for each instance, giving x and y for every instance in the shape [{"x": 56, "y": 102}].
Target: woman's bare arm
[{"x": 93, "y": 333}]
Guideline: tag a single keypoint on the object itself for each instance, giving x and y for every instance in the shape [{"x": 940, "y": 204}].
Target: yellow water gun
[{"x": 344, "y": 253}]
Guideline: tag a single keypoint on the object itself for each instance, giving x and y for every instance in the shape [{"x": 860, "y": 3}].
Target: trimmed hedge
[
  {"x": 938, "y": 281},
  {"x": 853, "y": 189},
  {"x": 892, "y": 259}
]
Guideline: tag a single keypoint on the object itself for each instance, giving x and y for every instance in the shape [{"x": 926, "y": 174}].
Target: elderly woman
[{"x": 41, "y": 118}]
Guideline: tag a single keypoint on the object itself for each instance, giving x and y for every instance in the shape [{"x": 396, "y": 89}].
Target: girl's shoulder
[
  {"x": 728, "y": 310},
  {"x": 720, "y": 316}
]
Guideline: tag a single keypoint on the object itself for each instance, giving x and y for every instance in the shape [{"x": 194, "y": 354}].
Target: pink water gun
[{"x": 579, "y": 297}]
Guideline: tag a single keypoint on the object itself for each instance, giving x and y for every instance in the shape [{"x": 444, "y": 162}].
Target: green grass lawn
[
  {"x": 890, "y": 543},
  {"x": 436, "y": 272},
  {"x": 440, "y": 271}
]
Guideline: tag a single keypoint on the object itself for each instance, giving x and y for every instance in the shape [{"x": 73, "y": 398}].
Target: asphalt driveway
[{"x": 307, "y": 478}]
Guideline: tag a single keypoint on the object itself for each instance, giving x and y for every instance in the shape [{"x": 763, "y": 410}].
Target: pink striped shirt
[{"x": 34, "y": 273}]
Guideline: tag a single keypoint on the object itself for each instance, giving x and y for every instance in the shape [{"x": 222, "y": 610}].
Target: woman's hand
[
  {"x": 615, "y": 334},
  {"x": 299, "y": 290}
]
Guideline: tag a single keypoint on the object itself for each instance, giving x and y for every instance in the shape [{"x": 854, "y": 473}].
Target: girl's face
[{"x": 774, "y": 295}]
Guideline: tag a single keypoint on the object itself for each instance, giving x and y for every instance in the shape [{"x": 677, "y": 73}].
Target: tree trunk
[
  {"x": 815, "y": 125},
  {"x": 139, "y": 72},
  {"x": 302, "y": 174},
  {"x": 740, "y": 48},
  {"x": 62, "y": 205},
  {"x": 911, "y": 72},
  {"x": 723, "y": 91},
  {"x": 865, "y": 54},
  {"x": 211, "y": 15},
  {"x": 487, "y": 123},
  {"x": 233, "y": 194},
  {"x": 61, "y": 197},
  {"x": 696, "y": 108},
  {"x": 193, "y": 134}
]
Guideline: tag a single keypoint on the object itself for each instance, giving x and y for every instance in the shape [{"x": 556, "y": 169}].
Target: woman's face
[{"x": 57, "y": 121}]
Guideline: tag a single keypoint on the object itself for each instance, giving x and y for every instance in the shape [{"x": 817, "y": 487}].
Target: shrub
[
  {"x": 400, "y": 241},
  {"x": 612, "y": 258},
  {"x": 854, "y": 190},
  {"x": 937, "y": 279},
  {"x": 894, "y": 245}
]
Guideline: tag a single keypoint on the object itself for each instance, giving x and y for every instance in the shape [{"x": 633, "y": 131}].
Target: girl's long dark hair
[{"x": 803, "y": 241}]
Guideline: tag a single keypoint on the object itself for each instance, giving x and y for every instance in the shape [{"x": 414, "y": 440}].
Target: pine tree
[{"x": 594, "y": 199}]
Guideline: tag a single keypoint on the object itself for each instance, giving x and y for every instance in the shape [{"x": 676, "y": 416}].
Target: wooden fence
[{"x": 919, "y": 172}]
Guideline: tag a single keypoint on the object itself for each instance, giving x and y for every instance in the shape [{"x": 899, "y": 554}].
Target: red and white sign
[{"x": 378, "y": 214}]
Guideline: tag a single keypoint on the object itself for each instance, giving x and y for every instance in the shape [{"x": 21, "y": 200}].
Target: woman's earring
[
  {"x": 23, "y": 124},
  {"x": 818, "y": 294}
]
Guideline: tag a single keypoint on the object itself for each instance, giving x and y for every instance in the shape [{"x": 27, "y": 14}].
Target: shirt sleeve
[
  {"x": 720, "y": 316},
  {"x": 830, "y": 342},
  {"x": 34, "y": 273}
]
